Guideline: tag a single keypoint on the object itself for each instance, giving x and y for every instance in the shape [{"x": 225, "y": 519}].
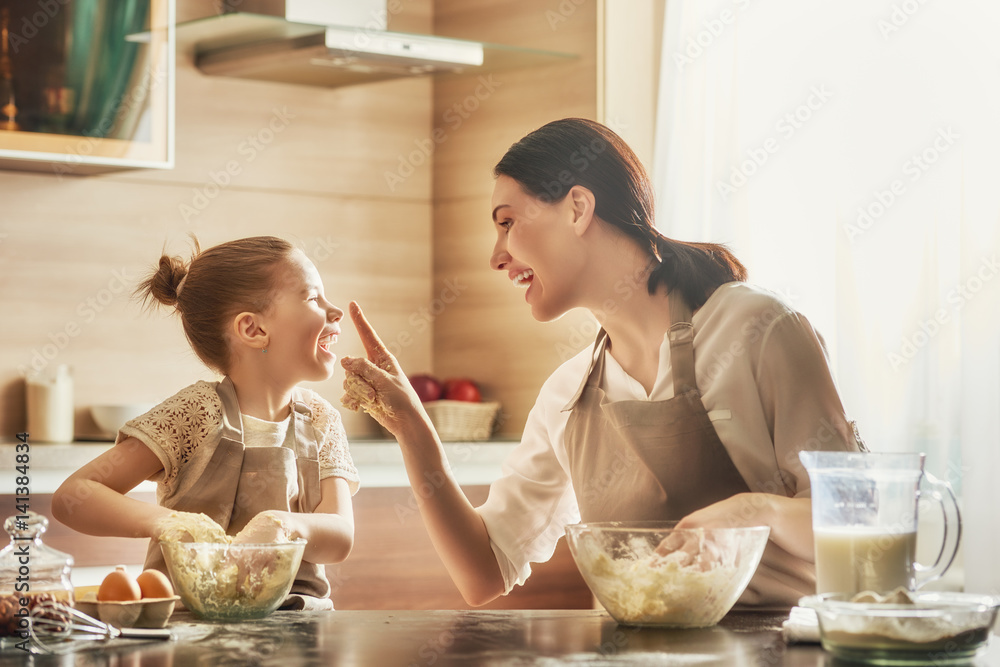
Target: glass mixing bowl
[
  {"x": 232, "y": 582},
  {"x": 651, "y": 573}
]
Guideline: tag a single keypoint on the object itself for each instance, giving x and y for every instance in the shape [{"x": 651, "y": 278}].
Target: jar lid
[{"x": 27, "y": 560}]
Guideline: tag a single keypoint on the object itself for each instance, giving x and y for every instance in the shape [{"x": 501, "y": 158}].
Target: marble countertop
[
  {"x": 450, "y": 637},
  {"x": 379, "y": 462}
]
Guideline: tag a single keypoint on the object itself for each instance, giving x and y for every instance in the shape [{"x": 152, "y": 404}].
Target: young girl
[{"x": 262, "y": 457}]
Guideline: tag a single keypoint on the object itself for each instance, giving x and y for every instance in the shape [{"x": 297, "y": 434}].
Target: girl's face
[
  {"x": 536, "y": 248},
  {"x": 301, "y": 324}
]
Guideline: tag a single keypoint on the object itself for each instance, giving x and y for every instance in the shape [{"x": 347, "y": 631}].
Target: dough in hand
[{"x": 361, "y": 395}]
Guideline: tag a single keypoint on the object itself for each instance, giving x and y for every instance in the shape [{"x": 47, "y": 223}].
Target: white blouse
[{"x": 768, "y": 388}]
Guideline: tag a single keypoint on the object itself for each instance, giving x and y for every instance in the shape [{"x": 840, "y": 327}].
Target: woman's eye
[{"x": 505, "y": 223}]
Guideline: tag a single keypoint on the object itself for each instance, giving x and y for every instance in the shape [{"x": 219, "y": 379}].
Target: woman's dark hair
[
  {"x": 575, "y": 151},
  {"x": 216, "y": 285}
]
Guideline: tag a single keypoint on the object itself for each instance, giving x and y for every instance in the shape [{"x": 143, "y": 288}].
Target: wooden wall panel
[{"x": 488, "y": 333}]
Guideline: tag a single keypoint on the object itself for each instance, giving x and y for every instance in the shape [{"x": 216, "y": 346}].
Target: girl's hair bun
[{"x": 165, "y": 284}]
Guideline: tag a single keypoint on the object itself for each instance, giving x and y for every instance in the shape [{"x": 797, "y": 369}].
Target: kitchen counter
[
  {"x": 412, "y": 638},
  {"x": 379, "y": 462}
]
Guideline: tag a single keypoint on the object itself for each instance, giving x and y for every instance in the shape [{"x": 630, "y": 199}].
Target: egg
[
  {"x": 118, "y": 586},
  {"x": 155, "y": 584}
]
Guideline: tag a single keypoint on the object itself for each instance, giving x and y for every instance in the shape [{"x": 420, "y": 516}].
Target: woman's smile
[{"x": 523, "y": 278}]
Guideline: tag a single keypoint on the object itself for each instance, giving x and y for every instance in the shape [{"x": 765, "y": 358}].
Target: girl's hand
[
  {"x": 268, "y": 527},
  {"x": 188, "y": 527},
  {"x": 377, "y": 384}
]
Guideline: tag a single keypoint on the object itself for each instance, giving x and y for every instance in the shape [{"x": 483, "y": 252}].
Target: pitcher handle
[{"x": 941, "y": 492}]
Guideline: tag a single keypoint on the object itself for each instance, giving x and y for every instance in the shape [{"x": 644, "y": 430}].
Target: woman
[{"x": 692, "y": 404}]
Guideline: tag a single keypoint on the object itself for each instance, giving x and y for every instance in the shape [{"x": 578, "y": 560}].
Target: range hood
[{"x": 333, "y": 43}]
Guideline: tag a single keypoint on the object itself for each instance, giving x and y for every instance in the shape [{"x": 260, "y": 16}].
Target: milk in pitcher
[{"x": 855, "y": 559}]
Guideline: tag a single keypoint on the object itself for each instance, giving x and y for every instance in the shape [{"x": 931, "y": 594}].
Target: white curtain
[{"x": 849, "y": 153}]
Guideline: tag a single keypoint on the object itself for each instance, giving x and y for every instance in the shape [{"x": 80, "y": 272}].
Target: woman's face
[
  {"x": 301, "y": 323},
  {"x": 536, "y": 248}
]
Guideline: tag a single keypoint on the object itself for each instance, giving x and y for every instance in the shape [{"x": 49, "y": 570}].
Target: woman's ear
[
  {"x": 248, "y": 330},
  {"x": 582, "y": 203}
]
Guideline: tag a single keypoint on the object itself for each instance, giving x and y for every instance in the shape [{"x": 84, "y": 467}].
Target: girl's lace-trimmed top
[{"x": 190, "y": 422}]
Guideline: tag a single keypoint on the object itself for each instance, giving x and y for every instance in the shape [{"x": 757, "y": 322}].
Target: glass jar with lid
[{"x": 30, "y": 572}]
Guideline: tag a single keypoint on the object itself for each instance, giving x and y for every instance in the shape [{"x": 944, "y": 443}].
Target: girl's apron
[
  {"x": 240, "y": 482},
  {"x": 647, "y": 460}
]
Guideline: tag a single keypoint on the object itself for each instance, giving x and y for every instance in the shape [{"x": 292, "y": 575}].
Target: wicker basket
[{"x": 463, "y": 420}]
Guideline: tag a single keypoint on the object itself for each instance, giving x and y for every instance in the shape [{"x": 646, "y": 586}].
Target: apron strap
[
  {"x": 232, "y": 421},
  {"x": 596, "y": 357},
  {"x": 681, "y": 345}
]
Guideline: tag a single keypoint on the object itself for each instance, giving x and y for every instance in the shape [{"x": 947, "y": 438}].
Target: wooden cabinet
[{"x": 93, "y": 86}]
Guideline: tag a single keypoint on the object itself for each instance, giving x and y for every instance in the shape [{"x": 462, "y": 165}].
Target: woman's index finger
[{"x": 374, "y": 347}]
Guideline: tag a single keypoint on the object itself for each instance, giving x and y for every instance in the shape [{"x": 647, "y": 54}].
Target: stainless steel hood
[{"x": 333, "y": 43}]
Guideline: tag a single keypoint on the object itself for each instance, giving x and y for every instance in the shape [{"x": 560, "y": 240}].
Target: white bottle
[{"x": 50, "y": 406}]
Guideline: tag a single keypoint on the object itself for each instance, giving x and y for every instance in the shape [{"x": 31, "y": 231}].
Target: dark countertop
[{"x": 425, "y": 638}]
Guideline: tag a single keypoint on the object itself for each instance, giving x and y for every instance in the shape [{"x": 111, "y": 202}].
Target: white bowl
[{"x": 110, "y": 418}]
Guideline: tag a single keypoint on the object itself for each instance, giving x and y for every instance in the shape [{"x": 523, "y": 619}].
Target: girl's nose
[{"x": 334, "y": 314}]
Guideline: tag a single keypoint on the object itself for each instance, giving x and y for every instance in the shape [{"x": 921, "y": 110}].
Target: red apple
[
  {"x": 461, "y": 389},
  {"x": 428, "y": 387}
]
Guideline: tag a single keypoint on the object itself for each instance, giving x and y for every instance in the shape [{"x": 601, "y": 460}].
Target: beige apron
[
  {"x": 647, "y": 460},
  {"x": 240, "y": 482}
]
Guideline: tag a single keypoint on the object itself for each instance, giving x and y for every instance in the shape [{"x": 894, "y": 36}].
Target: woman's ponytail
[{"x": 694, "y": 269}]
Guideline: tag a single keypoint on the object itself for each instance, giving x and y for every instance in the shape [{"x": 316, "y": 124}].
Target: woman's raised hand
[{"x": 377, "y": 384}]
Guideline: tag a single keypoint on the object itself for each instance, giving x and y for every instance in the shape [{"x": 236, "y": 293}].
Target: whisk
[{"x": 58, "y": 628}]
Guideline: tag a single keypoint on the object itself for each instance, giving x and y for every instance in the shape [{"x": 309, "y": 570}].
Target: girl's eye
[
  {"x": 314, "y": 298},
  {"x": 505, "y": 224}
]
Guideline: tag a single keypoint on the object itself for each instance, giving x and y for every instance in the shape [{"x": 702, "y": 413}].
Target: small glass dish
[{"x": 935, "y": 629}]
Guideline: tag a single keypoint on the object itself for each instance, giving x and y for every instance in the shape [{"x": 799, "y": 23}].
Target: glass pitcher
[{"x": 864, "y": 513}]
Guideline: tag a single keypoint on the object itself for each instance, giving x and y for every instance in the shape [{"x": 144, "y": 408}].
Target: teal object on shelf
[{"x": 101, "y": 65}]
